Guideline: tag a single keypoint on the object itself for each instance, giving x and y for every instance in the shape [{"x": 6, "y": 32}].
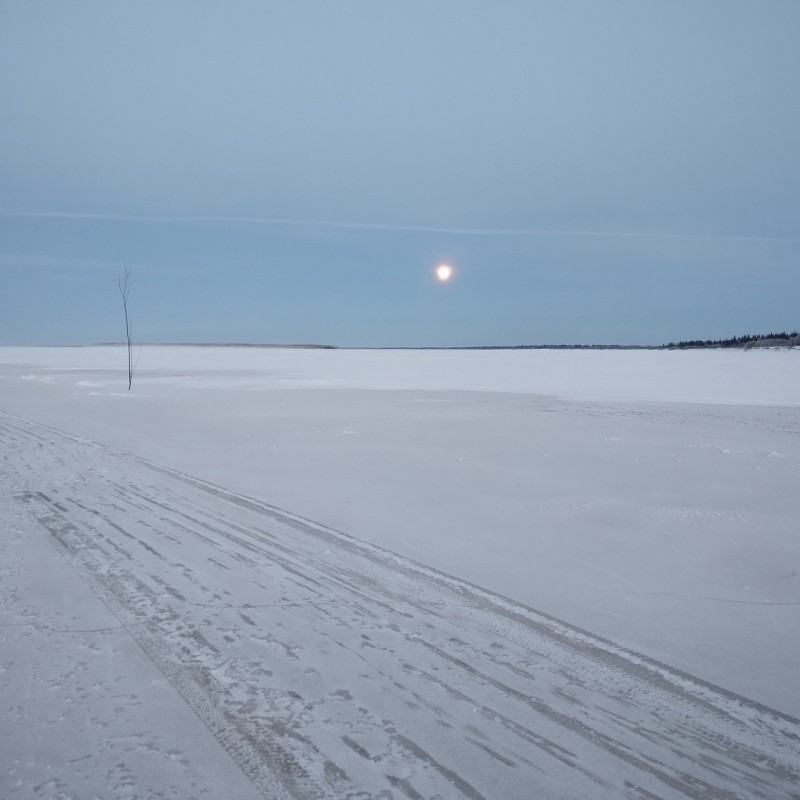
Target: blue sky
[{"x": 617, "y": 172}]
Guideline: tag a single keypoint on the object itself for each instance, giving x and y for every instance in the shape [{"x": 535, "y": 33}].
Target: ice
[{"x": 645, "y": 497}]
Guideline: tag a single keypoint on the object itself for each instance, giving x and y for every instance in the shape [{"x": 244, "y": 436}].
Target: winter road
[{"x": 323, "y": 667}]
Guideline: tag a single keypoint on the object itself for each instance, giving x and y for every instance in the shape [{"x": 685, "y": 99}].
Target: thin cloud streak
[
  {"x": 33, "y": 261},
  {"x": 379, "y": 226}
]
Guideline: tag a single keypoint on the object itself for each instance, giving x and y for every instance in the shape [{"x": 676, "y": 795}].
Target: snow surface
[{"x": 647, "y": 498}]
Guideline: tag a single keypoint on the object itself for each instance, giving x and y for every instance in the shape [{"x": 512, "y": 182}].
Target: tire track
[{"x": 337, "y": 669}]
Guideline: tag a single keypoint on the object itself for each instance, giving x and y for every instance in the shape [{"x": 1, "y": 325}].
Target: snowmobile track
[{"x": 330, "y": 668}]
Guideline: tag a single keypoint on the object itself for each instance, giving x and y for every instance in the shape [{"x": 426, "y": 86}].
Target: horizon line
[{"x": 769, "y": 340}]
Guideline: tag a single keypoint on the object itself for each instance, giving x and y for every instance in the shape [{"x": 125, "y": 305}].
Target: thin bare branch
[{"x": 124, "y": 284}]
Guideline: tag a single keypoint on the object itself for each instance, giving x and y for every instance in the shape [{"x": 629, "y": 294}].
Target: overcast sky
[{"x": 615, "y": 172}]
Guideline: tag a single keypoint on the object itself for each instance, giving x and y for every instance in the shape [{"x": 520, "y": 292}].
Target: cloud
[
  {"x": 45, "y": 262},
  {"x": 378, "y": 226}
]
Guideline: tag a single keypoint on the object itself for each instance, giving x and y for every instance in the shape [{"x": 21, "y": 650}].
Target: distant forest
[
  {"x": 760, "y": 340},
  {"x": 744, "y": 342}
]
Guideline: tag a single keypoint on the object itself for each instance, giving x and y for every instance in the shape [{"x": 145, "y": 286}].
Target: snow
[
  {"x": 644, "y": 498},
  {"x": 730, "y": 377}
]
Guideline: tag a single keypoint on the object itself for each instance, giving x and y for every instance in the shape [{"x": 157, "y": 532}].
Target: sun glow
[{"x": 444, "y": 272}]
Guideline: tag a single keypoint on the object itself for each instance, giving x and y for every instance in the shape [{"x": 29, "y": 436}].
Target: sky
[{"x": 624, "y": 172}]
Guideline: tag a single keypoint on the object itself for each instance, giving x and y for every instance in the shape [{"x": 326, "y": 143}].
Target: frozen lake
[{"x": 647, "y": 498}]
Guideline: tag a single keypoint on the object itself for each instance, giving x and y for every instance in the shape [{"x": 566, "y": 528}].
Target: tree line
[{"x": 766, "y": 339}]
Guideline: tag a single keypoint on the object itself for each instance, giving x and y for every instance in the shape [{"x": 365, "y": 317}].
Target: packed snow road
[{"x": 324, "y": 667}]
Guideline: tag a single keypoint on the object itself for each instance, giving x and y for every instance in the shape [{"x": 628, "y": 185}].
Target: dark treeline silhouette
[{"x": 759, "y": 340}]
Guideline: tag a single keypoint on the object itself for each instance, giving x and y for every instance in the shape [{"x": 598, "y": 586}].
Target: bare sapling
[{"x": 124, "y": 284}]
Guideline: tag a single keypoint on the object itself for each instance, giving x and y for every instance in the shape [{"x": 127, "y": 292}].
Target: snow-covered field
[{"x": 399, "y": 574}]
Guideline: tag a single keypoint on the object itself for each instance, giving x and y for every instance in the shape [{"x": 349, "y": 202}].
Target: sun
[{"x": 444, "y": 272}]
